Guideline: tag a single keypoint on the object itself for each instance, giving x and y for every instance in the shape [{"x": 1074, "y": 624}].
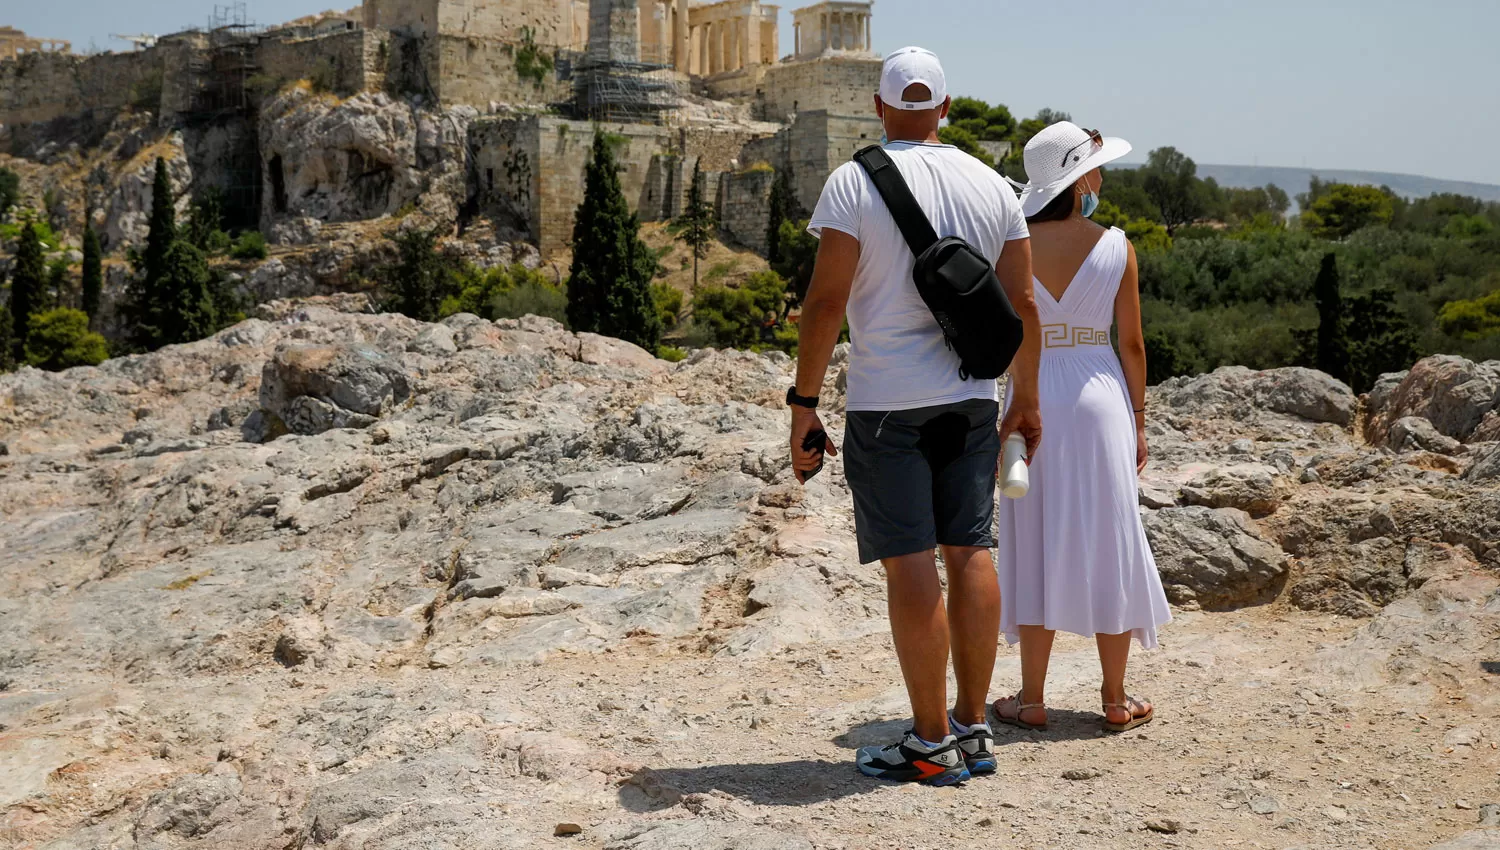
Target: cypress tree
[
  {"x": 697, "y": 223},
  {"x": 149, "y": 300},
  {"x": 93, "y": 272},
  {"x": 782, "y": 202},
  {"x": 7, "y": 341},
  {"x": 190, "y": 311},
  {"x": 421, "y": 278},
  {"x": 1333, "y": 345},
  {"x": 163, "y": 226},
  {"x": 27, "y": 292},
  {"x": 609, "y": 284}
]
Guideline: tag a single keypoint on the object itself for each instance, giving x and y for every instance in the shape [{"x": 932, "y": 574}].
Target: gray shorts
[{"x": 922, "y": 477}]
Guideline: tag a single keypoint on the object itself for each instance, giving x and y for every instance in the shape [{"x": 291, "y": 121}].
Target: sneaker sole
[
  {"x": 942, "y": 780},
  {"x": 982, "y": 766}
]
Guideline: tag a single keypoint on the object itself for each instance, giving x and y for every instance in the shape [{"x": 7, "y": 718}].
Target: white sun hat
[{"x": 1057, "y": 156}]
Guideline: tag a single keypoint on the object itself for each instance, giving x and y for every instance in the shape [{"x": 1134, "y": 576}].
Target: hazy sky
[{"x": 1381, "y": 85}]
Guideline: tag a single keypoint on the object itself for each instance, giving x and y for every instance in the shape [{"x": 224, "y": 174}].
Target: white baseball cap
[{"x": 911, "y": 66}]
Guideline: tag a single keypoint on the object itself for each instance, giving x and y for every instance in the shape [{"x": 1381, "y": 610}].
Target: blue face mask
[{"x": 1090, "y": 203}]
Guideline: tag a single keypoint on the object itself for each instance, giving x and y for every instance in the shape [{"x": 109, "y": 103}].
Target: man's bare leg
[
  {"x": 919, "y": 626},
  {"x": 973, "y": 626}
]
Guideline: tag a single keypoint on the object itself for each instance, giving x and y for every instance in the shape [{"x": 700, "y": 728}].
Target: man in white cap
[{"x": 921, "y": 444}]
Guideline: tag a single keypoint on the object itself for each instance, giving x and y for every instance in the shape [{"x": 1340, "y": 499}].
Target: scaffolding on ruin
[
  {"x": 220, "y": 78},
  {"x": 611, "y": 89}
]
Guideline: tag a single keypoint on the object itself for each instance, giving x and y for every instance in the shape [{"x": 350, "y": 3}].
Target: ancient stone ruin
[{"x": 313, "y": 119}]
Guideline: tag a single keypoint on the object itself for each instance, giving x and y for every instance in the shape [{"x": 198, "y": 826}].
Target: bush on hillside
[
  {"x": 746, "y": 317},
  {"x": 61, "y": 339},
  {"x": 505, "y": 293},
  {"x": 250, "y": 246}
]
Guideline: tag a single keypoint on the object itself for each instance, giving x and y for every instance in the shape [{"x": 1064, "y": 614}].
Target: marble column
[
  {"x": 754, "y": 35},
  {"x": 796, "y": 39},
  {"x": 680, "y": 36},
  {"x": 869, "y": 34},
  {"x": 662, "y": 11},
  {"x": 746, "y": 56}
]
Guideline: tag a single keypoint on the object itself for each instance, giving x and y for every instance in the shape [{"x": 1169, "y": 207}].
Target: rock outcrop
[
  {"x": 362, "y": 157},
  {"x": 333, "y": 578},
  {"x": 1460, "y": 398}
]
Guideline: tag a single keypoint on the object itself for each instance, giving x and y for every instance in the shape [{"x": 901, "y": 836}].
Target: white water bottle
[{"x": 1015, "y": 480}]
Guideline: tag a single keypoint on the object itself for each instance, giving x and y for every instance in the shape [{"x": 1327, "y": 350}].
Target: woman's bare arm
[{"x": 1132, "y": 343}]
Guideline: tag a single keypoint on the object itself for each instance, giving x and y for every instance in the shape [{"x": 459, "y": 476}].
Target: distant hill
[{"x": 1295, "y": 180}]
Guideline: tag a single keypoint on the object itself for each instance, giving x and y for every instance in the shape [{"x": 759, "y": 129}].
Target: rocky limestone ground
[{"x": 338, "y": 580}]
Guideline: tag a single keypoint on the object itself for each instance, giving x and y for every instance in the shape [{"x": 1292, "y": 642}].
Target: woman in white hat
[{"x": 1073, "y": 554}]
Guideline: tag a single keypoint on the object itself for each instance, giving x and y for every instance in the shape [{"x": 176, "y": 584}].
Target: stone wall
[
  {"x": 531, "y": 171},
  {"x": 531, "y": 168},
  {"x": 409, "y": 17},
  {"x": 812, "y": 147},
  {"x": 44, "y": 86},
  {"x": 745, "y": 207},
  {"x": 843, "y": 85},
  {"x": 351, "y": 60},
  {"x": 479, "y": 71}
]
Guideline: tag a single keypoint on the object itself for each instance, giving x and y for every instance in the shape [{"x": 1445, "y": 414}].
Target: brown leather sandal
[
  {"x": 1129, "y": 705},
  {"x": 1020, "y": 708}
]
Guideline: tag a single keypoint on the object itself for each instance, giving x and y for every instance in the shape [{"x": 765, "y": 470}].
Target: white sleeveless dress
[{"x": 1073, "y": 555}]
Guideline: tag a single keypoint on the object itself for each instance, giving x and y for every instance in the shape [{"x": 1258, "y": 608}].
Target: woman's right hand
[{"x": 1142, "y": 454}]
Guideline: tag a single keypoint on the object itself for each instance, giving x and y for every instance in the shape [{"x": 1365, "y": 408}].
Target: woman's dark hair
[{"x": 1056, "y": 209}]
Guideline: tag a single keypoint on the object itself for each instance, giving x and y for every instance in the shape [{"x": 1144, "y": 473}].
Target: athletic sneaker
[
  {"x": 978, "y": 745},
  {"x": 913, "y": 760}
]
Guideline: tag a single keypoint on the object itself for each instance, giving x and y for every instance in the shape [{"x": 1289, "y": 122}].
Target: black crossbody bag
[{"x": 955, "y": 280}]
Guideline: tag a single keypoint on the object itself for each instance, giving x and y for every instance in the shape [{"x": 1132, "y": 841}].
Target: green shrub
[
  {"x": 744, "y": 317},
  {"x": 41, "y": 230},
  {"x": 61, "y": 339},
  {"x": 10, "y": 192},
  {"x": 508, "y": 293},
  {"x": 250, "y": 246},
  {"x": 668, "y": 302},
  {"x": 533, "y": 296},
  {"x": 532, "y": 63},
  {"x": 422, "y": 279},
  {"x": 671, "y": 354}
]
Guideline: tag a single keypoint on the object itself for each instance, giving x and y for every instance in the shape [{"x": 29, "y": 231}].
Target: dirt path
[{"x": 1248, "y": 748}]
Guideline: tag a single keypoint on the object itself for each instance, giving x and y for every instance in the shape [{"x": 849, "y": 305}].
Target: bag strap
[{"x": 903, "y": 206}]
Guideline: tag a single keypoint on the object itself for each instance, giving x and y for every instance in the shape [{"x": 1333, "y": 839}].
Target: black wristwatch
[{"x": 811, "y": 403}]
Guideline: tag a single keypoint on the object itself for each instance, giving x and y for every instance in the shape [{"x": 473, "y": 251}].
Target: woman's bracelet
[{"x": 1140, "y": 410}]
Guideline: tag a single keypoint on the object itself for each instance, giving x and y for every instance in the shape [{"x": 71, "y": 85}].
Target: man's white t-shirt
[{"x": 899, "y": 360}]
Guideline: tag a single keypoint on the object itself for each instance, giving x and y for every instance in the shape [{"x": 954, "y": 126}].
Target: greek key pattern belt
[{"x": 1071, "y": 336}]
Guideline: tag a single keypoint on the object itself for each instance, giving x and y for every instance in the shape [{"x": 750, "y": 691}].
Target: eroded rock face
[
  {"x": 126, "y": 213},
  {"x": 1413, "y": 433},
  {"x": 390, "y": 636},
  {"x": 1460, "y": 398},
  {"x": 1213, "y": 558},
  {"x": 1237, "y": 392},
  {"x": 331, "y": 160},
  {"x": 310, "y": 389}
]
